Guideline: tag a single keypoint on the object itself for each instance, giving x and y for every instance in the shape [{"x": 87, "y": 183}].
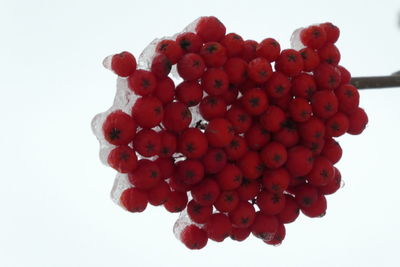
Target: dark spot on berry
[
  {"x": 150, "y": 147},
  {"x": 275, "y": 198},
  {"x": 211, "y": 48},
  {"x": 254, "y": 102},
  {"x": 145, "y": 83},
  {"x": 124, "y": 156},
  {"x": 185, "y": 44},
  {"x": 114, "y": 133},
  {"x": 218, "y": 83},
  {"x": 153, "y": 174},
  {"x": 291, "y": 58}
]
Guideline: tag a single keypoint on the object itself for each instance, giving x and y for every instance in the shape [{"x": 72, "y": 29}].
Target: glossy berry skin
[
  {"x": 123, "y": 159},
  {"x": 142, "y": 82},
  {"x": 269, "y": 49},
  {"x": 324, "y": 104},
  {"x": 148, "y": 111},
  {"x": 313, "y": 37},
  {"x": 193, "y": 143},
  {"x": 348, "y": 98},
  {"x": 333, "y": 185},
  {"x": 119, "y": 128},
  {"x": 176, "y": 202},
  {"x": 191, "y": 67},
  {"x": 278, "y": 237},
  {"x": 330, "y": 54},
  {"x": 219, "y": 132},
  {"x": 146, "y": 175},
  {"x": 291, "y": 210},
  {"x": 327, "y": 77},
  {"x": 243, "y": 215},
  {"x": 210, "y": 29},
  {"x": 160, "y": 66},
  {"x": 189, "y": 93},
  {"x": 134, "y": 199},
  {"x": 303, "y": 86},
  {"x": 337, "y": 125},
  {"x": 332, "y": 150},
  {"x": 177, "y": 117},
  {"x": 194, "y": 237},
  {"x": 289, "y": 62},
  {"x": 299, "y": 109},
  {"x": 332, "y": 32},
  {"x": 189, "y": 42},
  {"x": 259, "y": 70},
  {"x": 198, "y": 213},
  {"x": 123, "y": 64},
  {"x": 218, "y": 227}
]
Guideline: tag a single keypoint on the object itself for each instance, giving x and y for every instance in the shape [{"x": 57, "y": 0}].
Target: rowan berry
[
  {"x": 249, "y": 189},
  {"x": 276, "y": 181},
  {"x": 215, "y": 81},
  {"x": 332, "y": 151},
  {"x": 146, "y": 175},
  {"x": 214, "y": 160},
  {"x": 123, "y": 159},
  {"x": 210, "y": 29},
  {"x": 165, "y": 90},
  {"x": 194, "y": 237},
  {"x": 123, "y": 64},
  {"x": 259, "y": 70},
  {"x": 299, "y": 109},
  {"x": 191, "y": 67},
  {"x": 251, "y": 165},
  {"x": 243, "y": 215},
  {"x": 227, "y": 201},
  {"x": 160, "y": 66},
  {"x": 289, "y": 62},
  {"x": 337, "y": 125},
  {"x": 324, "y": 104},
  {"x": 322, "y": 172},
  {"x": 310, "y": 58},
  {"x": 134, "y": 199},
  {"x": 213, "y": 54},
  {"x": 236, "y": 148},
  {"x": 119, "y": 128},
  {"x": 189, "y": 93},
  {"x": 327, "y": 76},
  {"x": 313, "y": 36},
  {"x": 147, "y": 142},
  {"x": 171, "y": 49},
  {"x": 142, "y": 82},
  {"x": 257, "y": 137},
  {"x": 148, "y": 111},
  {"x": 303, "y": 86},
  {"x": 198, "y": 213},
  {"x": 270, "y": 203},
  {"x": 333, "y": 185},
  {"x": 176, "y": 201},
  {"x": 318, "y": 209},
  {"x": 269, "y": 49},
  {"x": 230, "y": 177},
  {"x": 299, "y": 161},
  {"x": 206, "y": 192},
  {"x": 236, "y": 69},
  {"x": 358, "y": 120},
  {"x": 332, "y": 32},
  {"x": 168, "y": 144},
  {"x": 278, "y": 85},
  {"x": 218, "y": 227},
  {"x": 212, "y": 107},
  {"x": 177, "y": 117},
  {"x": 240, "y": 234},
  {"x": 291, "y": 210},
  {"x": 273, "y": 118},
  {"x": 273, "y": 155},
  {"x": 306, "y": 195},
  {"x": 330, "y": 54},
  {"x": 159, "y": 194},
  {"x": 189, "y": 42},
  {"x": 219, "y": 132},
  {"x": 233, "y": 44},
  {"x": 264, "y": 226}
]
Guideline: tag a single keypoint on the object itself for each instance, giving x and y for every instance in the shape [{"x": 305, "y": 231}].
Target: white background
[{"x": 55, "y": 208}]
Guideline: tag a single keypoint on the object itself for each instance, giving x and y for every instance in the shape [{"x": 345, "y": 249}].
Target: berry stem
[{"x": 376, "y": 81}]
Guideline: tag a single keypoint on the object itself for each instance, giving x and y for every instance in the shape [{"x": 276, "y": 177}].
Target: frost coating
[{"x": 295, "y": 42}]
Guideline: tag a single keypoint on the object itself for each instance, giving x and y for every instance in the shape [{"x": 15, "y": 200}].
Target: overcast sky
[{"x": 54, "y": 191}]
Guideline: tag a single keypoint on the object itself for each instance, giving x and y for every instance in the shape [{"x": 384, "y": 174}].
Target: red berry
[
  {"x": 327, "y": 76},
  {"x": 240, "y": 234},
  {"x": 212, "y": 107},
  {"x": 264, "y": 226},
  {"x": 177, "y": 117},
  {"x": 269, "y": 49},
  {"x": 219, "y": 132},
  {"x": 227, "y": 201},
  {"x": 190, "y": 171},
  {"x": 230, "y": 177},
  {"x": 288, "y": 134},
  {"x": 189, "y": 42},
  {"x": 273, "y": 119},
  {"x": 160, "y": 66},
  {"x": 165, "y": 90},
  {"x": 243, "y": 215},
  {"x": 291, "y": 210},
  {"x": 170, "y": 49},
  {"x": 233, "y": 44},
  {"x": 270, "y": 203},
  {"x": 249, "y": 50},
  {"x": 123, "y": 64},
  {"x": 318, "y": 209},
  {"x": 134, "y": 199},
  {"x": 358, "y": 120},
  {"x": 251, "y": 165},
  {"x": 236, "y": 148},
  {"x": 159, "y": 194},
  {"x": 206, "y": 192},
  {"x": 123, "y": 159},
  {"x": 332, "y": 32},
  {"x": 274, "y": 155},
  {"x": 299, "y": 109},
  {"x": 218, "y": 227},
  {"x": 337, "y": 125},
  {"x": 240, "y": 119},
  {"x": 255, "y": 101},
  {"x": 259, "y": 70},
  {"x": 257, "y": 137},
  {"x": 168, "y": 144},
  {"x": 148, "y": 111},
  {"x": 193, "y": 143},
  {"x": 299, "y": 161},
  {"x": 348, "y": 98},
  {"x": 289, "y": 62},
  {"x": 278, "y": 237},
  {"x": 333, "y": 185},
  {"x": 322, "y": 172},
  {"x": 345, "y": 75},
  {"x": 146, "y": 175},
  {"x": 142, "y": 82},
  {"x": 303, "y": 86},
  {"x": 313, "y": 37},
  {"x": 310, "y": 58},
  {"x": 210, "y": 29},
  {"x": 329, "y": 54},
  {"x": 214, "y": 160},
  {"x": 248, "y": 189},
  {"x": 191, "y": 67},
  {"x": 231, "y": 95},
  {"x": 166, "y": 166},
  {"x": 199, "y": 213},
  {"x": 278, "y": 85},
  {"x": 176, "y": 201},
  {"x": 215, "y": 82},
  {"x": 193, "y": 237},
  {"x": 312, "y": 130},
  {"x": 324, "y": 104},
  {"x": 332, "y": 151},
  {"x": 189, "y": 93},
  {"x": 214, "y": 54},
  {"x": 276, "y": 181},
  {"x": 119, "y": 128},
  {"x": 236, "y": 69},
  {"x": 306, "y": 195},
  {"x": 147, "y": 142}
]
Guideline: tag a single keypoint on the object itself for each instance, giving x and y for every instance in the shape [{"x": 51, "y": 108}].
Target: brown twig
[{"x": 376, "y": 82}]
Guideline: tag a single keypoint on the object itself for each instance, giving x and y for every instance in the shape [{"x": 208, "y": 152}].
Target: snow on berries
[{"x": 237, "y": 136}]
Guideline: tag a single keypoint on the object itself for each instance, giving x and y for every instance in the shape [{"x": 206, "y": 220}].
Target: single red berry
[
  {"x": 257, "y": 137},
  {"x": 168, "y": 144},
  {"x": 176, "y": 201},
  {"x": 303, "y": 86},
  {"x": 210, "y": 29},
  {"x": 159, "y": 194},
  {"x": 190, "y": 171},
  {"x": 278, "y": 237},
  {"x": 270, "y": 203},
  {"x": 227, "y": 201},
  {"x": 337, "y": 125},
  {"x": 269, "y": 49},
  {"x": 306, "y": 195},
  {"x": 295, "y": 181},
  {"x": 333, "y": 185},
  {"x": 218, "y": 227},
  {"x": 193, "y": 143},
  {"x": 299, "y": 109},
  {"x": 312, "y": 130},
  {"x": 177, "y": 117},
  {"x": 119, "y": 128},
  {"x": 198, "y": 213},
  {"x": 259, "y": 70},
  {"x": 231, "y": 95},
  {"x": 313, "y": 36},
  {"x": 206, "y": 192},
  {"x": 273, "y": 118},
  {"x": 148, "y": 111},
  {"x": 315, "y": 146},
  {"x": 146, "y": 175},
  {"x": 233, "y": 44},
  {"x": 215, "y": 82},
  {"x": 123, "y": 159},
  {"x": 274, "y": 155},
  {"x": 327, "y": 76},
  {"x": 249, "y": 51},
  {"x": 194, "y": 237},
  {"x": 230, "y": 177},
  {"x": 177, "y": 184},
  {"x": 189, "y": 42},
  {"x": 310, "y": 58},
  {"x": 189, "y": 93},
  {"x": 166, "y": 166},
  {"x": 236, "y": 148},
  {"x": 276, "y": 181},
  {"x": 191, "y": 67},
  {"x": 236, "y": 69},
  {"x": 147, "y": 142},
  {"x": 240, "y": 234},
  {"x": 255, "y": 101},
  {"x": 165, "y": 90},
  {"x": 171, "y": 49},
  {"x": 332, "y": 32},
  {"x": 322, "y": 172},
  {"x": 289, "y": 62},
  {"x": 345, "y": 75},
  {"x": 219, "y": 132},
  {"x": 240, "y": 119},
  {"x": 278, "y": 85},
  {"x": 264, "y": 226},
  {"x": 212, "y": 107},
  {"x": 251, "y": 165},
  {"x": 243, "y": 215},
  {"x": 291, "y": 210},
  {"x": 134, "y": 199},
  {"x": 318, "y": 209},
  {"x": 332, "y": 151},
  {"x": 142, "y": 82},
  {"x": 249, "y": 189},
  {"x": 299, "y": 161},
  {"x": 123, "y": 64},
  {"x": 160, "y": 66},
  {"x": 358, "y": 120},
  {"x": 348, "y": 98},
  {"x": 288, "y": 134},
  {"x": 214, "y": 160},
  {"x": 324, "y": 104},
  {"x": 330, "y": 54},
  {"x": 213, "y": 54}
]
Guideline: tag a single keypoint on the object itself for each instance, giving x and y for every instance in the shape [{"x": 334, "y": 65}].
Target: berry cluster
[{"x": 263, "y": 147}]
